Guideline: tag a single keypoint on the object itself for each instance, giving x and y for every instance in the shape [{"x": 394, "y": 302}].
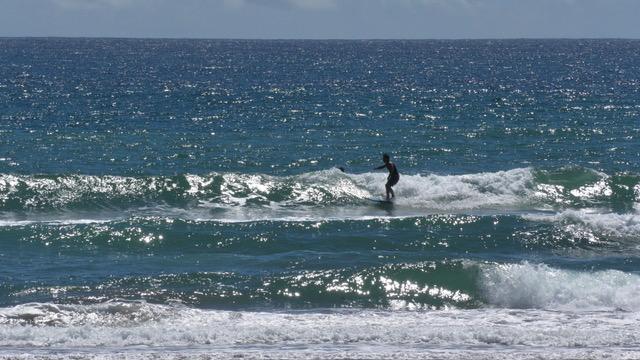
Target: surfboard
[{"x": 380, "y": 201}]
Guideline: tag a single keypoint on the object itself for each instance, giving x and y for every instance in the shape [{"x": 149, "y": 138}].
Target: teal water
[{"x": 194, "y": 185}]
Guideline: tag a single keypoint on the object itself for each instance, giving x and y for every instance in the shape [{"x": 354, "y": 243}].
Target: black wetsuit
[{"x": 394, "y": 175}]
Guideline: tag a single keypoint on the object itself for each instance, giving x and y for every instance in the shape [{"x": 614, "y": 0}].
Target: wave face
[
  {"x": 517, "y": 189},
  {"x": 417, "y": 286},
  {"x": 581, "y": 204}
]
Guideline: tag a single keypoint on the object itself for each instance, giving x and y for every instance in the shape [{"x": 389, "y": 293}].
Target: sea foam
[
  {"x": 117, "y": 326},
  {"x": 540, "y": 286},
  {"x": 599, "y": 221}
]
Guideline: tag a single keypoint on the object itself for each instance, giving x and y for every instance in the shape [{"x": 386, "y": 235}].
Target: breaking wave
[
  {"x": 513, "y": 189},
  {"x": 539, "y": 288},
  {"x": 431, "y": 285},
  {"x": 584, "y": 201}
]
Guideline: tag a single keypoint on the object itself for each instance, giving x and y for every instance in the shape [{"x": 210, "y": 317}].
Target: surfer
[{"x": 393, "y": 177}]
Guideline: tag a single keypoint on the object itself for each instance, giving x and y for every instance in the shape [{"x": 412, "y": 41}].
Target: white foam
[
  {"x": 540, "y": 286},
  {"x": 335, "y": 353},
  {"x": 511, "y": 189},
  {"x": 17, "y": 223},
  {"x": 500, "y": 190},
  {"x": 119, "y": 326},
  {"x": 601, "y": 221}
]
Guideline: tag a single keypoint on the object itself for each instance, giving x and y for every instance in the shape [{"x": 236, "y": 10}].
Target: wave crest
[
  {"x": 313, "y": 195},
  {"x": 540, "y": 286}
]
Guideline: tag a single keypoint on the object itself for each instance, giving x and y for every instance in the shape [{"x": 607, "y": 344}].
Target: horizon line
[{"x": 311, "y": 39}]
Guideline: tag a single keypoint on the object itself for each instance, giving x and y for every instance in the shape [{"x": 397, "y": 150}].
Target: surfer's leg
[{"x": 392, "y": 181}]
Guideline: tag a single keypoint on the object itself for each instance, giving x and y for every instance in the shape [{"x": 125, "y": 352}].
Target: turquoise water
[{"x": 177, "y": 198}]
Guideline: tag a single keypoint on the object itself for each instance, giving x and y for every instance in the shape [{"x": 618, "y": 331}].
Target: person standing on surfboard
[{"x": 394, "y": 175}]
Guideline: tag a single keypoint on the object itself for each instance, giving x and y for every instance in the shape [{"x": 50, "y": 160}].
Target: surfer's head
[{"x": 385, "y": 158}]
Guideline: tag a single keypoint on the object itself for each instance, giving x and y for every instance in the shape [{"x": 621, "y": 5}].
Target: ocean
[{"x": 174, "y": 199}]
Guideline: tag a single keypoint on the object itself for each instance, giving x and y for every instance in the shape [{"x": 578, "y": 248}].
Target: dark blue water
[
  {"x": 194, "y": 184},
  {"x": 158, "y": 107}
]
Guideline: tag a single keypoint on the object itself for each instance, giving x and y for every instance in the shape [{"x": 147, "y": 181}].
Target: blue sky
[{"x": 410, "y": 19}]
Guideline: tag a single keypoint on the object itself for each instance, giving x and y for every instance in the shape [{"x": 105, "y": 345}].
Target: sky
[{"x": 322, "y": 19}]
